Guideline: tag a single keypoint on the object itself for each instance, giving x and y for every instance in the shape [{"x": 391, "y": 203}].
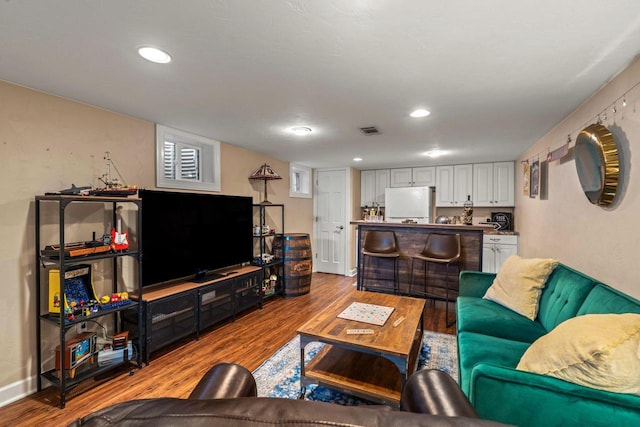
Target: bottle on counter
[{"x": 467, "y": 212}]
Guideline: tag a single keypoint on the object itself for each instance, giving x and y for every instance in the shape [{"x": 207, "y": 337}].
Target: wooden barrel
[{"x": 295, "y": 250}]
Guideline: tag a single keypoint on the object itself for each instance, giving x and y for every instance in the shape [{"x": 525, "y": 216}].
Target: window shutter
[
  {"x": 169, "y": 166},
  {"x": 189, "y": 164}
]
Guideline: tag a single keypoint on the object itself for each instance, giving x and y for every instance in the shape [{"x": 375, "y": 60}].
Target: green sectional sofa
[{"x": 492, "y": 339}]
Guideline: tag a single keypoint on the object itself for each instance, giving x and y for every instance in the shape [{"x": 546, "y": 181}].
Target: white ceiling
[{"x": 496, "y": 74}]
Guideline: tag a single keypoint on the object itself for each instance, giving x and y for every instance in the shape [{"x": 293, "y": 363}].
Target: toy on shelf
[
  {"x": 78, "y": 350},
  {"x": 119, "y": 239},
  {"x": 114, "y": 300},
  {"x": 113, "y": 186},
  {"x": 80, "y": 296},
  {"x": 78, "y": 289}
]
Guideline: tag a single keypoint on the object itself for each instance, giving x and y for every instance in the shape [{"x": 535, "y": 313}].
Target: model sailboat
[{"x": 113, "y": 186}]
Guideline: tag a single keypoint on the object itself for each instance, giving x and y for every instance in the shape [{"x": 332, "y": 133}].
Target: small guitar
[{"x": 119, "y": 240}]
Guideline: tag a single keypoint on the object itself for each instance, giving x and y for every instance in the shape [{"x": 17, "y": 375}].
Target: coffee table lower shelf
[
  {"x": 364, "y": 375},
  {"x": 371, "y": 366}
]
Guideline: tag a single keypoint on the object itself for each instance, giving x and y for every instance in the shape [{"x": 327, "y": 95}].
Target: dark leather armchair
[{"x": 225, "y": 396}]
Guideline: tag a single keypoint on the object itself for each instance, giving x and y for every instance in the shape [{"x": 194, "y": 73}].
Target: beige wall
[
  {"x": 238, "y": 164},
  {"x": 46, "y": 144},
  {"x": 602, "y": 243}
]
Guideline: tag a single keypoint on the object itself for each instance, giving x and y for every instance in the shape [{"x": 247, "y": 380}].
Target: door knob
[{"x": 339, "y": 227}]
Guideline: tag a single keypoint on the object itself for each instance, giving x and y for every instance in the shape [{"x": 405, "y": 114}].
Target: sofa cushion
[
  {"x": 476, "y": 348},
  {"x": 564, "y": 293},
  {"x": 603, "y": 299},
  {"x": 487, "y": 317},
  {"x": 531, "y": 400},
  {"x": 595, "y": 350},
  {"x": 519, "y": 282}
]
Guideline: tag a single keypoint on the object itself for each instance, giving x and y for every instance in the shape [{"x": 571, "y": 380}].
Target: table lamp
[{"x": 265, "y": 173}]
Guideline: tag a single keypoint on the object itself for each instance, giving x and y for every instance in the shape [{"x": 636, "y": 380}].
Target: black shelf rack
[
  {"x": 277, "y": 263},
  {"x": 79, "y": 319},
  {"x": 60, "y": 378},
  {"x": 87, "y": 258},
  {"x": 81, "y": 375}
]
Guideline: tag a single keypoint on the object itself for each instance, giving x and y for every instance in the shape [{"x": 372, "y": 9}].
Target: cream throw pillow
[
  {"x": 595, "y": 350},
  {"x": 519, "y": 283}
]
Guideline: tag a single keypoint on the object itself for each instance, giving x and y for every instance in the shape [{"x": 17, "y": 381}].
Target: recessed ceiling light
[
  {"x": 301, "y": 130},
  {"x": 435, "y": 153},
  {"x": 154, "y": 55},
  {"x": 421, "y": 112},
  {"x": 357, "y": 159}
]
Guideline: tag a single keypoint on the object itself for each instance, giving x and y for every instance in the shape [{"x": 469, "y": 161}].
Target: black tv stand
[
  {"x": 207, "y": 277},
  {"x": 173, "y": 311}
]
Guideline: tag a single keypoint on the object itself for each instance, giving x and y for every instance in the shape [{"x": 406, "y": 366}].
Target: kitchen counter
[
  {"x": 411, "y": 240},
  {"x": 503, "y": 232},
  {"x": 429, "y": 226}
]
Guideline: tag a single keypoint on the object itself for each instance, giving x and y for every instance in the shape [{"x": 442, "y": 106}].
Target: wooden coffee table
[{"x": 372, "y": 366}]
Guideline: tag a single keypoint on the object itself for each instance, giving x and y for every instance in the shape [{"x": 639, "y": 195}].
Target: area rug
[{"x": 279, "y": 376}]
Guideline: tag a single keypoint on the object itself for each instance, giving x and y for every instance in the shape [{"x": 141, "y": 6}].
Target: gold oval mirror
[{"x": 598, "y": 165}]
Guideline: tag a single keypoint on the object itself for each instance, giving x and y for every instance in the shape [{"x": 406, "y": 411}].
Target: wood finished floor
[{"x": 174, "y": 371}]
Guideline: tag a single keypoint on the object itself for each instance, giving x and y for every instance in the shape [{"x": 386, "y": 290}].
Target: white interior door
[{"x": 331, "y": 221}]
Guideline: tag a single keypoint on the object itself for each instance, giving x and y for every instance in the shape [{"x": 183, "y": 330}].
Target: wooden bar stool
[
  {"x": 381, "y": 244},
  {"x": 443, "y": 249}
]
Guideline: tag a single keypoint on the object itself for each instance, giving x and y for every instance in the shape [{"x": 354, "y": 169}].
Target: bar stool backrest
[
  {"x": 446, "y": 247},
  {"x": 379, "y": 241}
]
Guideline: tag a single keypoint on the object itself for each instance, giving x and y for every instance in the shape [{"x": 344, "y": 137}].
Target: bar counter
[{"x": 411, "y": 241}]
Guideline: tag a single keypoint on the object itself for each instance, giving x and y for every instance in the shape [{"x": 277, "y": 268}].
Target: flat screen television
[{"x": 189, "y": 235}]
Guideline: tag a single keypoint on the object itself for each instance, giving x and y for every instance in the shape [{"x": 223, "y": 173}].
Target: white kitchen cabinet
[
  {"x": 413, "y": 177},
  {"x": 496, "y": 248},
  {"x": 372, "y": 186},
  {"x": 504, "y": 182},
  {"x": 367, "y": 187},
  {"x": 401, "y": 177},
  {"x": 382, "y": 183},
  {"x": 424, "y": 176},
  {"x": 463, "y": 181},
  {"x": 453, "y": 185},
  {"x": 483, "y": 184},
  {"x": 444, "y": 186},
  {"x": 494, "y": 184}
]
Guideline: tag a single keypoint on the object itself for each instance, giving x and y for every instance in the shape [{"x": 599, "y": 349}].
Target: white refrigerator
[{"x": 404, "y": 203}]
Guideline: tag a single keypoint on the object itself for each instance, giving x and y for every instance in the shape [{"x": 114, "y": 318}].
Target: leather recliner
[{"x": 226, "y": 396}]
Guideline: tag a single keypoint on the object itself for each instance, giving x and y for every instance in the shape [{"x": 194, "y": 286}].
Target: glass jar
[{"x": 467, "y": 212}]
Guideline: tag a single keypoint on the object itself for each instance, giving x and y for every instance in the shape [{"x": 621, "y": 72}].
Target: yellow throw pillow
[
  {"x": 519, "y": 283},
  {"x": 595, "y": 350}
]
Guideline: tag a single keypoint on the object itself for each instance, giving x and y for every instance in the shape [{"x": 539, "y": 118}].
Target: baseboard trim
[
  {"x": 352, "y": 272},
  {"x": 16, "y": 391}
]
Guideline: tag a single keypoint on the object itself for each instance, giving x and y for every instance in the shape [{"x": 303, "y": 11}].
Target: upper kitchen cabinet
[
  {"x": 494, "y": 184},
  {"x": 504, "y": 182},
  {"x": 413, "y": 177},
  {"x": 453, "y": 185},
  {"x": 372, "y": 186}
]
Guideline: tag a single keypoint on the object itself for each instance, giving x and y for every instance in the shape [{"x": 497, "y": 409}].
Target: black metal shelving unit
[
  {"x": 61, "y": 378},
  {"x": 277, "y": 263}
]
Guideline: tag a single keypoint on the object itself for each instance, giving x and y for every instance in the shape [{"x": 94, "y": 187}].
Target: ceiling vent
[{"x": 370, "y": 130}]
